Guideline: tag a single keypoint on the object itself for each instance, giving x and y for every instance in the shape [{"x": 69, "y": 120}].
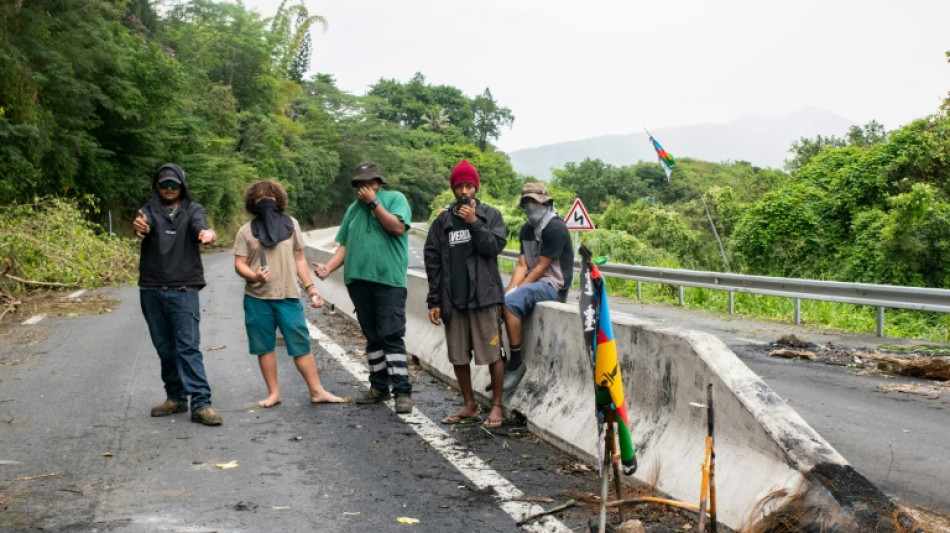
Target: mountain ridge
[{"x": 762, "y": 141}]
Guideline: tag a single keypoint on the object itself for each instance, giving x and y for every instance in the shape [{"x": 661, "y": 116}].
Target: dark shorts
[
  {"x": 474, "y": 330},
  {"x": 263, "y": 317}
]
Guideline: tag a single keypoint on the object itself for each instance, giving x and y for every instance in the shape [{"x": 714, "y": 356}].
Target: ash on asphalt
[{"x": 543, "y": 473}]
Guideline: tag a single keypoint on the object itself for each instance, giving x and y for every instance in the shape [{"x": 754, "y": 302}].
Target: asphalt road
[{"x": 79, "y": 451}]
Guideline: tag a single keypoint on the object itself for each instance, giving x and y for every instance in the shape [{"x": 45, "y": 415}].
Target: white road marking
[
  {"x": 33, "y": 320},
  {"x": 77, "y": 294},
  {"x": 470, "y": 465}
]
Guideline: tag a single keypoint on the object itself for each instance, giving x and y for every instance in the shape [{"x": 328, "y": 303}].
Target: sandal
[{"x": 493, "y": 422}]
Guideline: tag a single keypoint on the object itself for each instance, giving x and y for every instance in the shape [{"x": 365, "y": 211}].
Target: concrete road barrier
[{"x": 769, "y": 461}]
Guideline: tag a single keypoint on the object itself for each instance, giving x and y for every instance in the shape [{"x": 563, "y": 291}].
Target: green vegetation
[
  {"x": 96, "y": 94},
  {"x": 50, "y": 243},
  {"x": 873, "y": 207}
]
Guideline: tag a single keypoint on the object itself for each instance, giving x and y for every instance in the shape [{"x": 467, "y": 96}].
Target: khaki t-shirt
[{"x": 280, "y": 261}]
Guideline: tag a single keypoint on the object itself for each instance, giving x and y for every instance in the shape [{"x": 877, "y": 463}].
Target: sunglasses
[{"x": 169, "y": 184}]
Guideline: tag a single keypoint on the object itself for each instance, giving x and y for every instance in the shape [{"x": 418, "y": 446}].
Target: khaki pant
[{"x": 474, "y": 330}]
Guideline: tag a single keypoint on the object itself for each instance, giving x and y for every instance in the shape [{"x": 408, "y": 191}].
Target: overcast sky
[{"x": 573, "y": 70}]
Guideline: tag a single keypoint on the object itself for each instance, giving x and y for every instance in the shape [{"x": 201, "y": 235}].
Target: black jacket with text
[{"x": 488, "y": 240}]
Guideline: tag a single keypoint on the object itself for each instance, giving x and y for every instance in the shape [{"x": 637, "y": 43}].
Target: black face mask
[{"x": 270, "y": 225}]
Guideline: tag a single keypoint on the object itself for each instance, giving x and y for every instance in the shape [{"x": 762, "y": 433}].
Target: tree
[
  {"x": 489, "y": 119},
  {"x": 289, "y": 35},
  {"x": 436, "y": 119}
]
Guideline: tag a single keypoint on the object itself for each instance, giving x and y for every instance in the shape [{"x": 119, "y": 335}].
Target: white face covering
[{"x": 535, "y": 213}]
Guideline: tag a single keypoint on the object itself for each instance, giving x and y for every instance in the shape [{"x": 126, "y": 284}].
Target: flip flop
[
  {"x": 458, "y": 419},
  {"x": 493, "y": 422}
]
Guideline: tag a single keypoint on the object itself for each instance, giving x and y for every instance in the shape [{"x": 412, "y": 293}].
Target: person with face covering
[
  {"x": 374, "y": 254},
  {"x": 465, "y": 289},
  {"x": 171, "y": 227},
  {"x": 268, "y": 254},
  {"x": 544, "y": 271}
]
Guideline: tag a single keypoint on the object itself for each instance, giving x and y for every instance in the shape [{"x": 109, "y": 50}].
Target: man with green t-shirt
[{"x": 374, "y": 249}]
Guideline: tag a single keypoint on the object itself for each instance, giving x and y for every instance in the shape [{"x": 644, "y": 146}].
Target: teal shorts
[{"x": 263, "y": 317}]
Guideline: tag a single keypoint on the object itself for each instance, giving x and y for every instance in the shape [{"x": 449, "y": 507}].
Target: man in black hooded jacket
[{"x": 171, "y": 227}]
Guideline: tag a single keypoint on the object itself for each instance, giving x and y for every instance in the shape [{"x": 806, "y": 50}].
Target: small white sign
[{"x": 577, "y": 218}]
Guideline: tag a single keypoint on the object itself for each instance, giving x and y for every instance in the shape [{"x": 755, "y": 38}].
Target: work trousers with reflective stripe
[{"x": 381, "y": 311}]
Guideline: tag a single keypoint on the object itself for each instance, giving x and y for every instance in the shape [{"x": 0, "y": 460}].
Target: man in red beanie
[{"x": 465, "y": 289}]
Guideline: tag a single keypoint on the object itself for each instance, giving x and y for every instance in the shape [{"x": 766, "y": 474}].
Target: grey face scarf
[
  {"x": 535, "y": 213},
  {"x": 539, "y": 216}
]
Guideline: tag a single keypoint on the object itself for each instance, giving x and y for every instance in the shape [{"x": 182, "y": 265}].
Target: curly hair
[{"x": 265, "y": 189}]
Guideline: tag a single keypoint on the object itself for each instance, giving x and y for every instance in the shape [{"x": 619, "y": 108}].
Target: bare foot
[
  {"x": 495, "y": 417},
  {"x": 326, "y": 396},
  {"x": 270, "y": 401}
]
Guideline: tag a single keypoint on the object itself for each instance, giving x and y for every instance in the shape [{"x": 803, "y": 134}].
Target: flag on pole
[
  {"x": 602, "y": 351},
  {"x": 666, "y": 159}
]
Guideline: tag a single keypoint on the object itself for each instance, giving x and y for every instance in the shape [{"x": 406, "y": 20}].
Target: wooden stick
[
  {"x": 42, "y": 283},
  {"x": 28, "y": 478},
  {"x": 565, "y": 505}
]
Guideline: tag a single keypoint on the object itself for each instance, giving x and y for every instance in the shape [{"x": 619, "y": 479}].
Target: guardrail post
[
  {"x": 681, "y": 294},
  {"x": 880, "y": 321},
  {"x": 798, "y": 311},
  {"x": 732, "y": 304},
  {"x": 639, "y": 291}
]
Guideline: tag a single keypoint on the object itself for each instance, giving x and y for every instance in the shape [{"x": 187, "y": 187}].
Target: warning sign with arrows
[{"x": 577, "y": 218}]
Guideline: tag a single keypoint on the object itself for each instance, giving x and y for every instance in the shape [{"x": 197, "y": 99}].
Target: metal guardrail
[{"x": 878, "y": 296}]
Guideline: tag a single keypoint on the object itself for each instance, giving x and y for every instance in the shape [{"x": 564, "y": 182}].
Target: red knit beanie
[{"x": 464, "y": 172}]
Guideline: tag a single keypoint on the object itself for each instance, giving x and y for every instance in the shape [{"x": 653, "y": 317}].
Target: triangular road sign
[{"x": 577, "y": 218}]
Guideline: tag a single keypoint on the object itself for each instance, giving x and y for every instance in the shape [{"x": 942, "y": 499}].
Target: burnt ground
[
  {"x": 929, "y": 363},
  {"x": 525, "y": 460}
]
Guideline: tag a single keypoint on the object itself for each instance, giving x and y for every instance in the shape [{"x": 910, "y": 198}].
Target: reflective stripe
[
  {"x": 397, "y": 364},
  {"x": 376, "y": 361}
]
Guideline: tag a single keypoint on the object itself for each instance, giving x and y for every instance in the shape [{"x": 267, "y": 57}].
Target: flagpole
[{"x": 722, "y": 251}]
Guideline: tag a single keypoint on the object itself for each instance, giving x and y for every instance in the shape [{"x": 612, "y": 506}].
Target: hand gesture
[
  {"x": 435, "y": 315},
  {"x": 366, "y": 194},
  {"x": 140, "y": 225},
  {"x": 320, "y": 270},
  {"x": 467, "y": 212},
  {"x": 207, "y": 236}
]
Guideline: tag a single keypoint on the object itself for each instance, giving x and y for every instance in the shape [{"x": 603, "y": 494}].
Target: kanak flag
[
  {"x": 666, "y": 159},
  {"x": 602, "y": 351}
]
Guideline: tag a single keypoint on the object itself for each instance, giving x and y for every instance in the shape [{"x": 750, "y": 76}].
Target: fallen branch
[
  {"x": 924, "y": 367},
  {"x": 40, "y": 283},
  {"x": 568, "y": 503},
  {"x": 532, "y": 499},
  {"x": 652, "y": 499},
  {"x": 793, "y": 354}
]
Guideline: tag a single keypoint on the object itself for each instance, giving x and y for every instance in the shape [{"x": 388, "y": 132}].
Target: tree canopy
[{"x": 97, "y": 94}]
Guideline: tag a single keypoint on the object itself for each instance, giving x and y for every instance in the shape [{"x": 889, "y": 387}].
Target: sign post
[{"x": 576, "y": 220}]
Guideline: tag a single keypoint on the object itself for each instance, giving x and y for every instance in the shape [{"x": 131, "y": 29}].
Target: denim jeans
[
  {"x": 172, "y": 317},
  {"x": 522, "y": 300},
  {"x": 381, "y": 311}
]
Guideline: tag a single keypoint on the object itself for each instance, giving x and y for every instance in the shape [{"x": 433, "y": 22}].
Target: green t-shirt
[{"x": 372, "y": 254}]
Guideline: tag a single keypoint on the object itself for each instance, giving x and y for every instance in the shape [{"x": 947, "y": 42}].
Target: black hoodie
[{"x": 170, "y": 255}]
